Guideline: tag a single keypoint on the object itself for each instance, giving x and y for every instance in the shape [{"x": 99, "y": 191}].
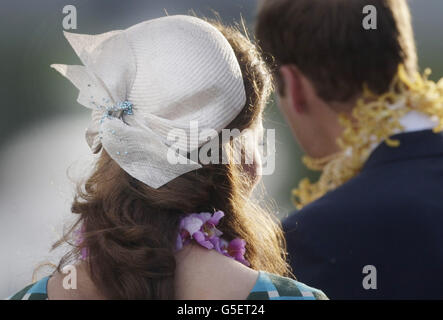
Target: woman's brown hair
[{"x": 130, "y": 229}]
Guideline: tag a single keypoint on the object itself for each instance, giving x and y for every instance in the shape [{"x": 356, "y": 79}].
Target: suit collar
[{"x": 416, "y": 144}]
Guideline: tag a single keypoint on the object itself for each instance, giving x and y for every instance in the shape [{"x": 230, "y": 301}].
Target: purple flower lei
[
  {"x": 201, "y": 227},
  {"x": 78, "y": 236}
]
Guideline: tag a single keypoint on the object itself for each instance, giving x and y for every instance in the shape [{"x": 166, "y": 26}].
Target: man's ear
[{"x": 293, "y": 87}]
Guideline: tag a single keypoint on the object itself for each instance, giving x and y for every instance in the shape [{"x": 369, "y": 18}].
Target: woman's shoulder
[
  {"x": 270, "y": 286},
  {"x": 34, "y": 291}
]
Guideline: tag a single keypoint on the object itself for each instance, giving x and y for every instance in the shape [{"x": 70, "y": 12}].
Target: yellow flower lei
[{"x": 374, "y": 119}]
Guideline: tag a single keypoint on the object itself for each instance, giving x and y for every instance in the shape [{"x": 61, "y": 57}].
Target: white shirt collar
[
  {"x": 417, "y": 121},
  {"x": 412, "y": 121}
]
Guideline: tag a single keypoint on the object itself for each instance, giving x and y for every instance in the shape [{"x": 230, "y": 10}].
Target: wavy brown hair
[{"x": 130, "y": 229}]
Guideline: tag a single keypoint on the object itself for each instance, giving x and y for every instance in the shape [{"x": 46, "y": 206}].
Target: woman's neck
[{"x": 207, "y": 274}]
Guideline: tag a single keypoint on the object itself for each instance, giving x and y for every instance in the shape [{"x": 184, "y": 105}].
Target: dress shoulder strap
[{"x": 274, "y": 287}]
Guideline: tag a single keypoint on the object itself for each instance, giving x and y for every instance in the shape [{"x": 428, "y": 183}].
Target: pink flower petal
[
  {"x": 84, "y": 253},
  {"x": 201, "y": 240},
  {"x": 192, "y": 224},
  {"x": 179, "y": 243},
  {"x": 203, "y": 216},
  {"x": 215, "y": 219}
]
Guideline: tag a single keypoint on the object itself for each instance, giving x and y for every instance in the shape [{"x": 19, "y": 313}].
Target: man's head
[{"x": 322, "y": 56}]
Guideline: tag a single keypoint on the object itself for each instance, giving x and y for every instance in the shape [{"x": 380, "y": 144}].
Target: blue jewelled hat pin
[{"x": 118, "y": 110}]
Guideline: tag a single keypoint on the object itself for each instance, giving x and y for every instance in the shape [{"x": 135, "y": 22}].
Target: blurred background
[{"x": 42, "y": 126}]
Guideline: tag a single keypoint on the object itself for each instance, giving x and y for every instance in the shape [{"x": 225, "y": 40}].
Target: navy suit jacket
[{"x": 389, "y": 216}]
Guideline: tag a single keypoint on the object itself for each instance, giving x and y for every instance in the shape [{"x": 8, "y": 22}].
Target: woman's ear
[{"x": 293, "y": 87}]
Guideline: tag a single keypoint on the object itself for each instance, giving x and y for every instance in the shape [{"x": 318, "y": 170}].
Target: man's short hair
[{"x": 326, "y": 40}]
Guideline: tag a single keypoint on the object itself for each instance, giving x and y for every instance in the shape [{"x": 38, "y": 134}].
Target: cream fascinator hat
[{"x": 149, "y": 79}]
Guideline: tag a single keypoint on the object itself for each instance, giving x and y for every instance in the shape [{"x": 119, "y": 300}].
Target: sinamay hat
[{"x": 149, "y": 79}]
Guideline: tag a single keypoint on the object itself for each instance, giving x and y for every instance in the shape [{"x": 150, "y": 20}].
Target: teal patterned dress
[
  {"x": 35, "y": 291},
  {"x": 273, "y": 287}
]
